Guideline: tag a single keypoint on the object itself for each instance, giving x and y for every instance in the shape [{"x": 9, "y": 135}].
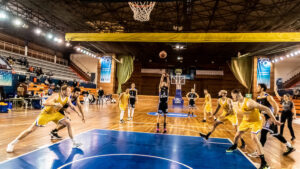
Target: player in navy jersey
[
  {"x": 132, "y": 100},
  {"x": 163, "y": 100},
  {"x": 269, "y": 127},
  {"x": 74, "y": 97},
  {"x": 192, "y": 97}
]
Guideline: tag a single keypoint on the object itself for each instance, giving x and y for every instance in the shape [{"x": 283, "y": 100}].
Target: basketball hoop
[{"x": 141, "y": 10}]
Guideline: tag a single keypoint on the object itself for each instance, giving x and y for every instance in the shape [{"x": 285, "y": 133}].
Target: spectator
[
  {"x": 11, "y": 60},
  {"x": 51, "y": 89},
  {"x": 49, "y": 73},
  {"x": 20, "y": 90},
  {"x": 31, "y": 69},
  {"x": 39, "y": 71},
  {"x": 75, "y": 83},
  {"x": 100, "y": 96},
  {"x": 25, "y": 62}
]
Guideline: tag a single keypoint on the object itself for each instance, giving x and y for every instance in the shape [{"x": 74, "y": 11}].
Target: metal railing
[
  {"x": 30, "y": 53},
  {"x": 292, "y": 73}
]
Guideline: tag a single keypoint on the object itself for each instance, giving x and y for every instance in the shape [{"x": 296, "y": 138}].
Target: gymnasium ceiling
[{"x": 193, "y": 15}]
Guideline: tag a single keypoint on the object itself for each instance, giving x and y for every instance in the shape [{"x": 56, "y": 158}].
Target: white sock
[
  {"x": 121, "y": 114},
  {"x": 15, "y": 141},
  {"x": 132, "y": 112},
  {"x": 288, "y": 144},
  {"x": 128, "y": 112}
]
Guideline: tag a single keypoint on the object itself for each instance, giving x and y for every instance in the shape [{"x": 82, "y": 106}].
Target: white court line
[
  {"x": 44, "y": 146},
  {"x": 142, "y": 155},
  {"x": 20, "y": 124},
  {"x": 254, "y": 164}
]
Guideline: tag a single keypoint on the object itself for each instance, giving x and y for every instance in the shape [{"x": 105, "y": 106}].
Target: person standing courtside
[
  {"x": 288, "y": 113},
  {"x": 100, "y": 96},
  {"x": 132, "y": 100}
]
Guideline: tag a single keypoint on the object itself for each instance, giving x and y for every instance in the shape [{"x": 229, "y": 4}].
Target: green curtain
[
  {"x": 242, "y": 68},
  {"x": 124, "y": 70}
]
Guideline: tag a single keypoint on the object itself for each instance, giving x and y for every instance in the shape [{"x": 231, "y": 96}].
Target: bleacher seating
[{"x": 59, "y": 71}]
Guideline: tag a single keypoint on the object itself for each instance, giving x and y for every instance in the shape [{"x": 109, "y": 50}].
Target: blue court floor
[{"x": 108, "y": 149}]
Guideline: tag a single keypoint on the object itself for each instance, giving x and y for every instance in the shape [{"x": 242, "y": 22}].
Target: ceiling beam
[{"x": 185, "y": 37}]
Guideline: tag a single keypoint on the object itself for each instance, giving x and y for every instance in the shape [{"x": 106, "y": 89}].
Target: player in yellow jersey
[
  {"x": 207, "y": 104},
  {"x": 74, "y": 97},
  {"x": 228, "y": 114},
  {"x": 49, "y": 113},
  {"x": 251, "y": 121},
  {"x": 123, "y": 103}
]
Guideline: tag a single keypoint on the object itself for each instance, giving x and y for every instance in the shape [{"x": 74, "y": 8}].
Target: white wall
[
  {"x": 86, "y": 63},
  {"x": 287, "y": 68}
]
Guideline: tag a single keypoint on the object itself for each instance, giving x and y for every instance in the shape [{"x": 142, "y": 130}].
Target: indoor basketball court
[{"x": 175, "y": 84}]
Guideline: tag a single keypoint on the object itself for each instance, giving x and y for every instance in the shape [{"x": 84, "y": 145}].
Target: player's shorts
[
  {"x": 208, "y": 108},
  {"x": 271, "y": 127},
  {"x": 163, "y": 108},
  {"x": 44, "y": 118},
  {"x": 123, "y": 107},
  {"x": 192, "y": 104},
  {"x": 255, "y": 127},
  {"x": 232, "y": 118},
  {"x": 132, "y": 103}
]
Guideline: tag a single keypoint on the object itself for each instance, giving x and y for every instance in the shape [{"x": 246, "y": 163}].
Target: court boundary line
[
  {"x": 42, "y": 147},
  {"x": 252, "y": 162},
  {"x": 142, "y": 155},
  {"x": 205, "y": 141}
]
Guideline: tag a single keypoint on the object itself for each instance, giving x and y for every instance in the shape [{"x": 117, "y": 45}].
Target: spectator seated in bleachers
[
  {"x": 20, "y": 90},
  {"x": 75, "y": 83},
  {"x": 51, "y": 89},
  {"x": 11, "y": 60},
  {"x": 39, "y": 71},
  {"x": 50, "y": 73},
  {"x": 23, "y": 61},
  {"x": 31, "y": 69}
]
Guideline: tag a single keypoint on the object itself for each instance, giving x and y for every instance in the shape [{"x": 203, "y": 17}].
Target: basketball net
[{"x": 141, "y": 10}]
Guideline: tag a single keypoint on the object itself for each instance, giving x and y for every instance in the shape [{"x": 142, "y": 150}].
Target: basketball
[{"x": 163, "y": 54}]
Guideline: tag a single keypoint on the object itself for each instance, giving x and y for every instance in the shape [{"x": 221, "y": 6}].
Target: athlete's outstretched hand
[{"x": 277, "y": 122}]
